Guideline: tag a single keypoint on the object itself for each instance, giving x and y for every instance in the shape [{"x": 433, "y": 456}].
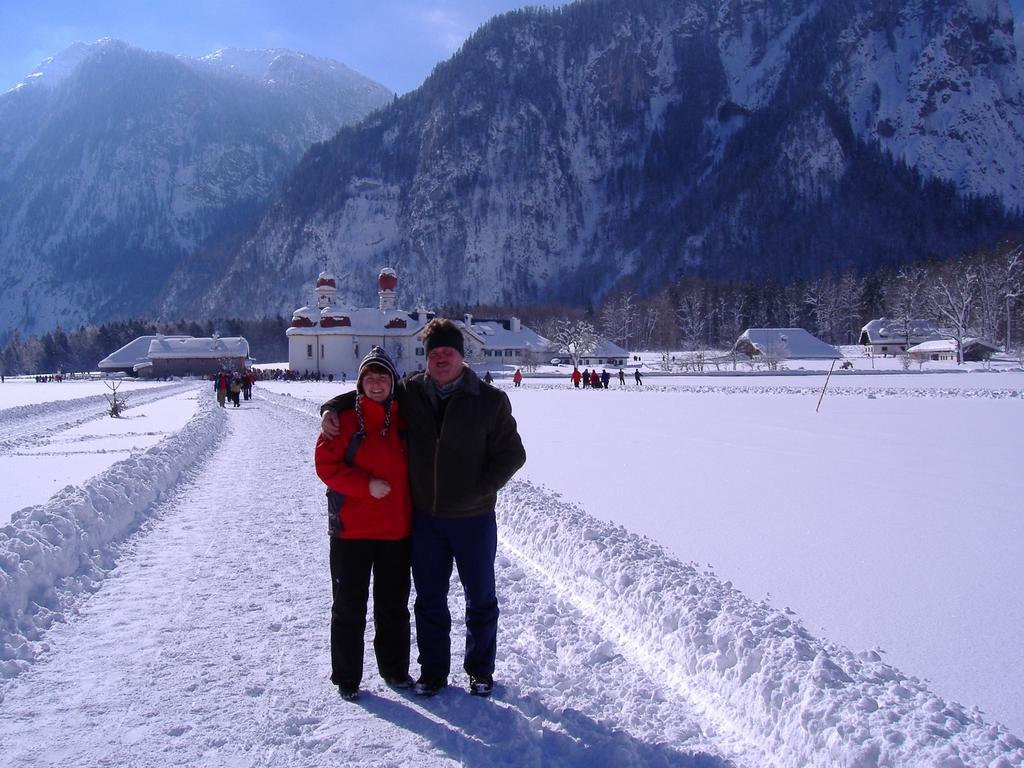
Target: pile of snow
[
  {"x": 745, "y": 664},
  {"x": 67, "y": 541}
]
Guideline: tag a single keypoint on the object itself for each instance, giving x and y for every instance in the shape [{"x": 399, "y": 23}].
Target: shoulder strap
[{"x": 353, "y": 446}]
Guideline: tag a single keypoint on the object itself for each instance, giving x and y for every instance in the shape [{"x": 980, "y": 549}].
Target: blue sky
[{"x": 396, "y": 42}]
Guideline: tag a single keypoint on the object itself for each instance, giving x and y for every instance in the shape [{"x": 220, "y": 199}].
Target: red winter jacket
[{"x": 354, "y": 513}]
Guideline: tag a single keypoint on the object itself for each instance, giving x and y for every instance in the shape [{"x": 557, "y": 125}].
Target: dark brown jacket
[{"x": 457, "y": 468}]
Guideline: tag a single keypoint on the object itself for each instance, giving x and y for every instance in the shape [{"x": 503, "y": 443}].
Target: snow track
[
  {"x": 37, "y": 423},
  {"x": 744, "y": 665},
  {"x": 208, "y": 642}
]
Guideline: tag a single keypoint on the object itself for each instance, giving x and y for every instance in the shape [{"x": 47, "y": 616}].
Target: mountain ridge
[
  {"x": 561, "y": 152},
  {"x": 118, "y": 163}
]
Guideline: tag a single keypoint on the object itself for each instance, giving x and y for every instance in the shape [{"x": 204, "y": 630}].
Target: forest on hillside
[{"x": 980, "y": 294}]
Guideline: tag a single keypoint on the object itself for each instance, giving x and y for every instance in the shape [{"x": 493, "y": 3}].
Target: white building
[
  {"x": 161, "y": 356},
  {"x": 946, "y": 349},
  {"x": 784, "y": 344},
  {"x": 886, "y": 336},
  {"x": 331, "y": 340}
]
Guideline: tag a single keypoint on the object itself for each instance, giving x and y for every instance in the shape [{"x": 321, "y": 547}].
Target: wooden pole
[{"x": 826, "y": 384}]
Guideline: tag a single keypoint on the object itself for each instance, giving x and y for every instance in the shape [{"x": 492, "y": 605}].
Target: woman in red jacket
[{"x": 370, "y": 522}]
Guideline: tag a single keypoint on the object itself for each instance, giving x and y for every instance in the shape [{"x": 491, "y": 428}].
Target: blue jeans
[{"x": 471, "y": 543}]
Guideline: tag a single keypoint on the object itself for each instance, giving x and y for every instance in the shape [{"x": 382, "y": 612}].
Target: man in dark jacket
[{"x": 463, "y": 447}]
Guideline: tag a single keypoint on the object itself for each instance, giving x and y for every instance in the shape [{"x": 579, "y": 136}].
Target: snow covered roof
[
  {"x": 167, "y": 347},
  {"x": 495, "y": 335},
  {"x": 787, "y": 343},
  {"x": 886, "y": 329},
  {"x": 949, "y": 345},
  {"x": 366, "y": 321},
  {"x": 936, "y": 345},
  {"x": 605, "y": 348},
  {"x": 131, "y": 354}
]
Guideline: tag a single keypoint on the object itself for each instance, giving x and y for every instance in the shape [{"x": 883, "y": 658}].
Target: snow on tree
[{"x": 575, "y": 338}]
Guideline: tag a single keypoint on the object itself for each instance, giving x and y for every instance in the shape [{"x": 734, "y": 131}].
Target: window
[
  {"x": 322, "y": 353},
  {"x": 309, "y": 350},
  {"x": 419, "y": 351}
]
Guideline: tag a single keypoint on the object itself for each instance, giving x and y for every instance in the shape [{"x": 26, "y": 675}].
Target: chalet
[
  {"x": 945, "y": 349},
  {"x": 886, "y": 336},
  {"x": 508, "y": 343},
  {"x": 160, "y": 356},
  {"x": 135, "y": 352},
  {"x": 784, "y": 344},
  {"x": 605, "y": 354}
]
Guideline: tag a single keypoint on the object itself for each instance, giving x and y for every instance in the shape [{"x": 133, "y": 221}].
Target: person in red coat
[{"x": 366, "y": 472}]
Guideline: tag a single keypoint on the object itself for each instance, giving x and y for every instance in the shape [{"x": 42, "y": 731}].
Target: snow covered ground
[{"x": 172, "y": 608}]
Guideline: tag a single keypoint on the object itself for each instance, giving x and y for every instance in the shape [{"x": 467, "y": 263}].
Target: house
[
  {"x": 886, "y": 336},
  {"x": 945, "y": 349},
  {"x": 326, "y": 339},
  {"x": 605, "y": 354},
  {"x": 783, "y": 344},
  {"x": 192, "y": 356},
  {"x": 509, "y": 343},
  {"x": 161, "y": 356},
  {"x": 133, "y": 353}
]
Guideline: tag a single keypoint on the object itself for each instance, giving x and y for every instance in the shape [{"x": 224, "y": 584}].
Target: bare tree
[
  {"x": 619, "y": 318},
  {"x": 822, "y": 296},
  {"x": 952, "y": 297},
  {"x": 574, "y": 338},
  {"x": 907, "y": 297},
  {"x": 999, "y": 284},
  {"x": 692, "y": 318}
]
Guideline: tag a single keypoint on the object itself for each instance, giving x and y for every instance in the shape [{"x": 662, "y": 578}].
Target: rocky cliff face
[
  {"x": 561, "y": 152},
  {"x": 117, "y": 164}
]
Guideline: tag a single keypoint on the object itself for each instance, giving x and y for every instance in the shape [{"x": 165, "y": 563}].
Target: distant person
[
  {"x": 639, "y": 379},
  {"x": 370, "y": 523},
  {"x": 585, "y": 378},
  {"x": 575, "y": 376},
  {"x": 517, "y": 378},
  {"x": 220, "y": 386},
  {"x": 488, "y": 378},
  {"x": 235, "y": 389},
  {"x": 622, "y": 378},
  {"x": 595, "y": 379},
  {"x": 247, "y": 382},
  {"x": 605, "y": 377}
]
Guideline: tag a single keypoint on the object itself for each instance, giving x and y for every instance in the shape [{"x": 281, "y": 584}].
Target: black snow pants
[{"x": 352, "y": 561}]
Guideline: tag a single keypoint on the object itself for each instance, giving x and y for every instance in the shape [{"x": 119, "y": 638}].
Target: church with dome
[{"x": 326, "y": 339}]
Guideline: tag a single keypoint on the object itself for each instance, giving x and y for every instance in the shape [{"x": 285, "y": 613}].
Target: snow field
[
  {"x": 890, "y": 523},
  {"x": 745, "y": 664},
  {"x": 65, "y": 542},
  {"x": 208, "y": 643}
]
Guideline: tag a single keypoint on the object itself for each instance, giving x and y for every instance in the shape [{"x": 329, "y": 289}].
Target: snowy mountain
[
  {"x": 117, "y": 163},
  {"x": 563, "y": 151}
]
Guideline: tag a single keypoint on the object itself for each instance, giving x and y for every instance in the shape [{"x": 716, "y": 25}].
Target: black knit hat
[
  {"x": 379, "y": 358},
  {"x": 442, "y": 333}
]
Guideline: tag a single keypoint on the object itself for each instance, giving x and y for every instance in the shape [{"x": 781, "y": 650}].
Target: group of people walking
[
  {"x": 413, "y": 467},
  {"x": 594, "y": 380},
  {"x": 233, "y": 386}
]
